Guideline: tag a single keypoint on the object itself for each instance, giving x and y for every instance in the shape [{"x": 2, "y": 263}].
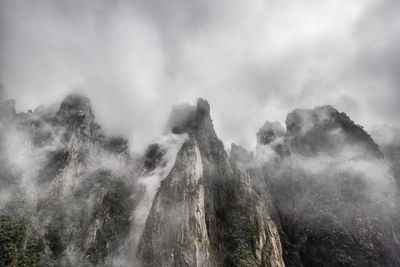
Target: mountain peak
[
  {"x": 76, "y": 114},
  {"x": 187, "y": 118},
  {"x": 303, "y": 120},
  {"x": 325, "y": 128},
  {"x": 203, "y": 107},
  {"x": 311, "y": 195},
  {"x": 75, "y": 104}
]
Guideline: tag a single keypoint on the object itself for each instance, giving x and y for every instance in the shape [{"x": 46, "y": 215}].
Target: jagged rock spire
[
  {"x": 227, "y": 191},
  {"x": 190, "y": 119},
  {"x": 176, "y": 231},
  {"x": 76, "y": 115}
]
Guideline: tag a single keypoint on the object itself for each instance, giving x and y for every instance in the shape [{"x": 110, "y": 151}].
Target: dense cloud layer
[{"x": 252, "y": 60}]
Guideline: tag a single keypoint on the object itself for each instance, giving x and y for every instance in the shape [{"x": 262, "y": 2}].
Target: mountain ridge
[{"x": 319, "y": 193}]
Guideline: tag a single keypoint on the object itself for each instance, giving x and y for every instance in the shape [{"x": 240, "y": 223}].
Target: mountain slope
[
  {"x": 334, "y": 192},
  {"x": 175, "y": 233},
  {"x": 236, "y": 219},
  {"x": 81, "y": 196},
  {"x": 318, "y": 193}
]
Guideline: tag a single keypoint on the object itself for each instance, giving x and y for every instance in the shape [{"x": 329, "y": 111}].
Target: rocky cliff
[
  {"x": 176, "y": 233},
  {"x": 231, "y": 219},
  {"x": 334, "y": 192},
  {"x": 319, "y": 193}
]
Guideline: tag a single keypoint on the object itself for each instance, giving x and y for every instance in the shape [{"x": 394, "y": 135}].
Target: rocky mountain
[
  {"x": 319, "y": 192},
  {"x": 334, "y": 192}
]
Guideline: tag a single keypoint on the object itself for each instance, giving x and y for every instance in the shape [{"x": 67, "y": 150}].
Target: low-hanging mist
[
  {"x": 109, "y": 158},
  {"x": 319, "y": 191}
]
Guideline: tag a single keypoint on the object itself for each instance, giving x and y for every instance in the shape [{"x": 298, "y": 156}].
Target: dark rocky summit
[
  {"x": 319, "y": 193},
  {"x": 234, "y": 225},
  {"x": 333, "y": 211},
  {"x": 324, "y": 129},
  {"x": 78, "y": 208}
]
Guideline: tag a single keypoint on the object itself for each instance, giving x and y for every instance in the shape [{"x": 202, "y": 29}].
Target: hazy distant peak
[
  {"x": 269, "y": 132},
  {"x": 323, "y": 118},
  {"x": 303, "y": 120},
  {"x": 325, "y": 128},
  {"x": 240, "y": 154},
  {"x": 76, "y": 114},
  {"x": 75, "y": 104}
]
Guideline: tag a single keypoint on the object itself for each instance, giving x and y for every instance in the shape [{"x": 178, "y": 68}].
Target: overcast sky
[{"x": 253, "y": 60}]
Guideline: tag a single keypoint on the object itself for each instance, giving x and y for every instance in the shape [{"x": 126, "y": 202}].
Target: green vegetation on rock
[{"x": 19, "y": 245}]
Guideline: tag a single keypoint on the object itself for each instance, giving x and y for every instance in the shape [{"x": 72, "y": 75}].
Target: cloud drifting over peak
[{"x": 253, "y": 61}]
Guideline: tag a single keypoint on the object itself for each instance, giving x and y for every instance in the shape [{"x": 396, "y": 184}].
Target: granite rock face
[
  {"x": 74, "y": 189},
  {"x": 176, "y": 233},
  {"x": 239, "y": 227},
  {"x": 324, "y": 129},
  {"x": 319, "y": 193},
  {"x": 333, "y": 208}
]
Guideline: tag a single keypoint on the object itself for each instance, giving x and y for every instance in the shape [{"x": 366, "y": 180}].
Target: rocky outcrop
[
  {"x": 76, "y": 114},
  {"x": 328, "y": 202},
  {"x": 238, "y": 226},
  {"x": 176, "y": 233},
  {"x": 320, "y": 193},
  {"x": 74, "y": 124},
  {"x": 324, "y": 129},
  {"x": 83, "y": 189},
  {"x": 270, "y": 132},
  {"x": 154, "y": 157},
  {"x": 254, "y": 219}
]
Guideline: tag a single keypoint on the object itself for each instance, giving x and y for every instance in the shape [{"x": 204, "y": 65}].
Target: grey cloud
[{"x": 254, "y": 61}]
